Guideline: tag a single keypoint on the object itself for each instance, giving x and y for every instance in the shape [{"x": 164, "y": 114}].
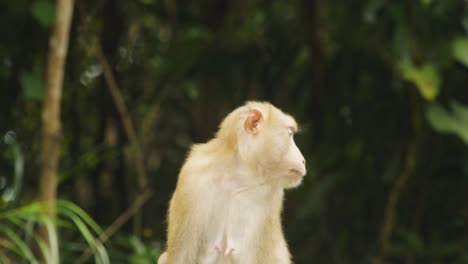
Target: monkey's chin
[{"x": 291, "y": 180}]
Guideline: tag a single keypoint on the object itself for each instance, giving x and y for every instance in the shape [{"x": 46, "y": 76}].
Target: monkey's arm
[
  {"x": 279, "y": 252},
  {"x": 184, "y": 230}
]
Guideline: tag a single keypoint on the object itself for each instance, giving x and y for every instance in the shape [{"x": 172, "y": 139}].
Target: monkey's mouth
[{"x": 297, "y": 172}]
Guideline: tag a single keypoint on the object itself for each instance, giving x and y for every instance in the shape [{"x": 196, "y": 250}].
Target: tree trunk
[{"x": 51, "y": 128}]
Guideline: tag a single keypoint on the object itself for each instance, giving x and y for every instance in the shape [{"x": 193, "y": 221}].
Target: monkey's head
[{"x": 264, "y": 140}]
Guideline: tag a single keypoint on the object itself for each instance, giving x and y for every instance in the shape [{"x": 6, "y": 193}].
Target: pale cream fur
[{"x": 229, "y": 193}]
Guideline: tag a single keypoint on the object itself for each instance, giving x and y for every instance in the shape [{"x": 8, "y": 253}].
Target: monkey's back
[{"x": 197, "y": 210}]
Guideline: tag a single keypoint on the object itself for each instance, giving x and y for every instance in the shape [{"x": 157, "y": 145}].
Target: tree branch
[
  {"x": 124, "y": 115},
  {"x": 390, "y": 209},
  {"x": 51, "y": 126}
]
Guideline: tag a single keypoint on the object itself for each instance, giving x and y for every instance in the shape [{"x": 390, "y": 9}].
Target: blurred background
[{"x": 379, "y": 88}]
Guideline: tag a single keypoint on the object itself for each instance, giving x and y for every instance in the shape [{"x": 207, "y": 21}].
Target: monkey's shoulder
[{"x": 203, "y": 162}]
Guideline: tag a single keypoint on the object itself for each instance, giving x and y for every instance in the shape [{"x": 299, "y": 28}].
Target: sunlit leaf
[
  {"x": 83, "y": 221},
  {"x": 440, "y": 119},
  {"x": 66, "y": 205},
  {"x": 53, "y": 240},
  {"x": 426, "y": 78},
  {"x": 38, "y": 213},
  {"x": 460, "y": 50},
  {"x": 444, "y": 121},
  {"x": 33, "y": 87}
]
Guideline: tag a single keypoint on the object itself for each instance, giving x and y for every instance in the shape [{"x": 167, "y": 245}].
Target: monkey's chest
[{"x": 234, "y": 225}]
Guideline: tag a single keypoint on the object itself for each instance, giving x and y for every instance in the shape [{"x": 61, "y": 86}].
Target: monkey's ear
[{"x": 252, "y": 121}]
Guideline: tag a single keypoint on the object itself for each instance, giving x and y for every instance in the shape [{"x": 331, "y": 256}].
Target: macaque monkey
[{"x": 228, "y": 200}]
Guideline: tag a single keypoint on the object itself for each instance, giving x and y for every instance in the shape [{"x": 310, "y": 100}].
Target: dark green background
[{"x": 379, "y": 88}]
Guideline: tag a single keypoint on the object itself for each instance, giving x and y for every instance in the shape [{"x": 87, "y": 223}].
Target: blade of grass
[
  {"x": 53, "y": 238},
  {"x": 43, "y": 249},
  {"x": 81, "y": 213},
  {"x": 30, "y": 209},
  {"x": 23, "y": 249},
  {"x": 101, "y": 256}
]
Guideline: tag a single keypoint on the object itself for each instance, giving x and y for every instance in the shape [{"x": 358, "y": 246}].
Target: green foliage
[
  {"x": 44, "y": 12},
  {"x": 191, "y": 90},
  {"x": 460, "y": 50},
  {"x": 407, "y": 244},
  {"x": 440, "y": 119},
  {"x": 132, "y": 249},
  {"x": 20, "y": 242},
  {"x": 346, "y": 70},
  {"x": 33, "y": 86},
  {"x": 426, "y": 78},
  {"x": 455, "y": 122}
]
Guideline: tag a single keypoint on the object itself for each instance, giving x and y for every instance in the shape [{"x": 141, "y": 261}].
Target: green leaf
[
  {"x": 460, "y": 50},
  {"x": 460, "y": 110},
  {"x": 53, "y": 251},
  {"x": 259, "y": 17},
  {"x": 440, "y": 119},
  {"x": 44, "y": 12},
  {"x": 445, "y": 122},
  {"x": 426, "y": 78},
  {"x": 84, "y": 222},
  {"x": 33, "y": 86},
  {"x": 43, "y": 249},
  {"x": 414, "y": 242},
  {"x": 191, "y": 89},
  {"x": 24, "y": 250},
  {"x": 65, "y": 205},
  {"x": 197, "y": 33},
  {"x": 461, "y": 116},
  {"x": 137, "y": 244}
]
